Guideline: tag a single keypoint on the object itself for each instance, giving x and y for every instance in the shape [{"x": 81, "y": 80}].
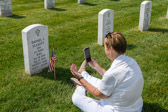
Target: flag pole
[{"x": 54, "y": 64}]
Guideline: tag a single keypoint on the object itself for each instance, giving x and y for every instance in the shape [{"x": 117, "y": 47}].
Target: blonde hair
[{"x": 117, "y": 41}]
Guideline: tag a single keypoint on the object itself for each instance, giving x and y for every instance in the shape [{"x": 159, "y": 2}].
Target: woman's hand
[
  {"x": 75, "y": 72},
  {"x": 93, "y": 64}
]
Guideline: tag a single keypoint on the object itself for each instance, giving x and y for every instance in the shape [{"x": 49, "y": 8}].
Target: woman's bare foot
[
  {"x": 75, "y": 81},
  {"x": 83, "y": 67}
]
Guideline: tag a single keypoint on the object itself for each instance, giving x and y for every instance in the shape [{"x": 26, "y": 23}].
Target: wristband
[{"x": 80, "y": 78}]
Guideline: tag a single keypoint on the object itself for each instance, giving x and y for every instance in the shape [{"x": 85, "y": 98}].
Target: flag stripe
[{"x": 52, "y": 62}]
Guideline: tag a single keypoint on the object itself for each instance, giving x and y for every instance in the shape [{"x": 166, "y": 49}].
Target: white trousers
[{"x": 88, "y": 104}]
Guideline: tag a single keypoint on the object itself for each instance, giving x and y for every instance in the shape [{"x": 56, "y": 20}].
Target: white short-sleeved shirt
[{"x": 123, "y": 83}]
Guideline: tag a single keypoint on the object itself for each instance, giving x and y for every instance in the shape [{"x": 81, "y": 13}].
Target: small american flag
[{"x": 52, "y": 62}]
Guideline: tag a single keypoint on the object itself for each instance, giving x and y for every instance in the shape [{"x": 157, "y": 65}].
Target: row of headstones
[
  {"x": 35, "y": 37},
  {"x": 35, "y": 40},
  {"x": 106, "y": 17},
  {"x": 6, "y": 6},
  {"x": 51, "y": 3}
]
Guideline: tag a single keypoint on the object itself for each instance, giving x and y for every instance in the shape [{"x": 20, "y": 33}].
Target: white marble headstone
[
  {"x": 145, "y": 15},
  {"x": 5, "y": 8},
  {"x": 81, "y": 1},
  {"x": 49, "y": 4},
  {"x": 35, "y": 48},
  {"x": 105, "y": 24},
  {"x": 167, "y": 14}
]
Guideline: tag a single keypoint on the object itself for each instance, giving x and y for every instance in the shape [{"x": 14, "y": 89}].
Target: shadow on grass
[
  {"x": 57, "y": 9},
  {"x": 14, "y": 16},
  {"x": 158, "y": 30},
  {"x": 89, "y": 4},
  {"x": 62, "y": 74},
  {"x": 131, "y": 46},
  {"x": 152, "y": 107}
]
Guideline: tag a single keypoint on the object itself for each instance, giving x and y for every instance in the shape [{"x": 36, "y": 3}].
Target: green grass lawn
[{"x": 71, "y": 28}]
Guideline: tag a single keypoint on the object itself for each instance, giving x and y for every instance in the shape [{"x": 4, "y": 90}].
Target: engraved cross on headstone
[{"x": 38, "y": 32}]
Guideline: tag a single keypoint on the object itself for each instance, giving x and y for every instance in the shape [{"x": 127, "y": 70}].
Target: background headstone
[
  {"x": 5, "y": 8},
  {"x": 35, "y": 48},
  {"x": 81, "y": 1},
  {"x": 167, "y": 14},
  {"x": 145, "y": 15},
  {"x": 105, "y": 24},
  {"x": 49, "y": 4}
]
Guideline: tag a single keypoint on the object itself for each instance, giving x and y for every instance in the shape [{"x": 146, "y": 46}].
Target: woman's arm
[
  {"x": 93, "y": 64},
  {"x": 93, "y": 90}
]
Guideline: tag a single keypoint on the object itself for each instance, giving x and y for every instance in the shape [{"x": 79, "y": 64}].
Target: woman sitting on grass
[{"x": 121, "y": 85}]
